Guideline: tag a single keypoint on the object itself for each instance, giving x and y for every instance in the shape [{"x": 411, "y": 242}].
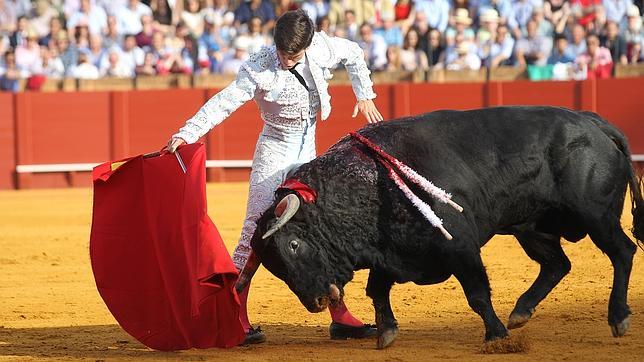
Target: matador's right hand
[{"x": 173, "y": 143}]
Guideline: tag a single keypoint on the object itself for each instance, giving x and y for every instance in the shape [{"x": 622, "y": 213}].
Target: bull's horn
[
  {"x": 251, "y": 266},
  {"x": 289, "y": 204}
]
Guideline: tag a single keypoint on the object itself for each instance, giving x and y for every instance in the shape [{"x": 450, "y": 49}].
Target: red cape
[{"x": 159, "y": 262}]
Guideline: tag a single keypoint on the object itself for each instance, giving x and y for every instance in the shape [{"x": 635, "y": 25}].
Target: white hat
[
  {"x": 241, "y": 42},
  {"x": 489, "y": 15},
  {"x": 462, "y": 16},
  {"x": 633, "y": 10}
]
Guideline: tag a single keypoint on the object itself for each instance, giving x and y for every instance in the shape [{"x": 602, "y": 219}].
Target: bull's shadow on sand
[{"x": 559, "y": 334}]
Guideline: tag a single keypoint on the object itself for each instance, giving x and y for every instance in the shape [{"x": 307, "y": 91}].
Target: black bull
[{"x": 538, "y": 173}]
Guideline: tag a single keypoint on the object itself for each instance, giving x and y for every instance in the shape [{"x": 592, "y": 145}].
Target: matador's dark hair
[{"x": 293, "y": 31}]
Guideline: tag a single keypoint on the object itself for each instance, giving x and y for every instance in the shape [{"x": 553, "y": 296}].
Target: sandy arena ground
[{"x": 50, "y": 309}]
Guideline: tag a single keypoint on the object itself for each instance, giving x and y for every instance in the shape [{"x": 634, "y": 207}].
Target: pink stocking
[
  {"x": 243, "y": 310},
  {"x": 340, "y": 314}
]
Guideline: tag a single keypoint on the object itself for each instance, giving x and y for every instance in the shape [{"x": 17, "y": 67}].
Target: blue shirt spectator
[
  {"x": 616, "y": 10},
  {"x": 93, "y": 16},
  {"x": 316, "y": 9},
  {"x": 561, "y": 52},
  {"x": 436, "y": 11},
  {"x": 503, "y": 7},
  {"x": 248, "y": 9}
]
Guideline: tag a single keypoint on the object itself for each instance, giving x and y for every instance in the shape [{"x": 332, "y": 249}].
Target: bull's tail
[{"x": 635, "y": 182}]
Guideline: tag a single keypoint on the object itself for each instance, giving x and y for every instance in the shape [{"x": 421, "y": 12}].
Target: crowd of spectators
[{"x": 89, "y": 39}]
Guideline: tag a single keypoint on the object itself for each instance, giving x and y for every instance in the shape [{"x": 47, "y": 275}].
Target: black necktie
[{"x": 298, "y": 76}]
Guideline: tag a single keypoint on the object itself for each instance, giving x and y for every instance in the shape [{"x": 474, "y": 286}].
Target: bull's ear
[
  {"x": 284, "y": 211},
  {"x": 279, "y": 209}
]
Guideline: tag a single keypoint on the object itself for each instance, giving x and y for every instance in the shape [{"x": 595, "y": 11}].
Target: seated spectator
[
  {"x": 533, "y": 49},
  {"x": 411, "y": 58},
  {"x": 615, "y": 43},
  {"x": 161, "y": 15},
  {"x": 148, "y": 67},
  {"x": 578, "y": 43},
  {"x": 193, "y": 17},
  {"x": 81, "y": 36},
  {"x": 544, "y": 27},
  {"x": 349, "y": 29},
  {"x": 234, "y": 60},
  {"x": 27, "y": 55},
  {"x": 256, "y": 38},
  {"x": 131, "y": 55},
  {"x": 55, "y": 25},
  {"x": 213, "y": 45},
  {"x": 462, "y": 22},
  {"x": 96, "y": 50},
  {"x": 554, "y": 10},
  {"x": 390, "y": 32},
  {"x": 67, "y": 51},
  {"x": 228, "y": 31},
  {"x": 465, "y": 60},
  {"x": 497, "y": 51},
  {"x": 436, "y": 13},
  {"x": 260, "y": 8},
  {"x": 10, "y": 73},
  {"x": 315, "y": 8},
  {"x": 422, "y": 27},
  {"x": 503, "y": 8},
  {"x": 51, "y": 66},
  {"x": 112, "y": 36},
  {"x": 144, "y": 38},
  {"x": 561, "y": 53},
  {"x": 114, "y": 67},
  {"x": 520, "y": 15},
  {"x": 403, "y": 13},
  {"x": 615, "y": 10},
  {"x": 585, "y": 12},
  {"x": 364, "y": 11},
  {"x": 374, "y": 47},
  {"x": 435, "y": 48},
  {"x": 129, "y": 16},
  {"x": 282, "y": 6},
  {"x": 40, "y": 16},
  {"x": 94, "y": 17},
  {"x": 489, "y": 21},
  {"x": 393, "y": 59},
  {"x": 8, "y": 17},
  {"x": 597, "y": 59},
  {"x": 19, "y": 36},
  {"x": 324, "y": 24},
  {"x": 84, "y": 69},
  {"x": 634, "y": 34},
  {"x": 637, "y": 54}
]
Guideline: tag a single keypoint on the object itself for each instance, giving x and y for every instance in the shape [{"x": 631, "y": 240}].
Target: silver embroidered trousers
[{"x": 278, "y": 151}]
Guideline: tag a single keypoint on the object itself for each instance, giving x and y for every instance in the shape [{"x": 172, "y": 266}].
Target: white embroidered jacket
[{"x": 282, "y": 100}]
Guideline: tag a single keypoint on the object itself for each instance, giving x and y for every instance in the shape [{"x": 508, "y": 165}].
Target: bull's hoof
[
  {"x": 619, "y": 329},
  {"x": 387, "y": 337},
  {"x": 518, "y": 319}
]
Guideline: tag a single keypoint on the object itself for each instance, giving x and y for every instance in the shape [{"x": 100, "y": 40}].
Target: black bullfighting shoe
[
  {"x": 343, "y": 331},
  {"x": 254, "y": 336}
]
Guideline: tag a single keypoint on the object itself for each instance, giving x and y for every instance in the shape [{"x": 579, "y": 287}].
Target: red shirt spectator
[
  {"x": 597, "y": 59},
  {"x": 585, "y": 10}
]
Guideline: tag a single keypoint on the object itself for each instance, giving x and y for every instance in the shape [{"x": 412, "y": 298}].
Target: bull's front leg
[{"x": 378, "y": 288}]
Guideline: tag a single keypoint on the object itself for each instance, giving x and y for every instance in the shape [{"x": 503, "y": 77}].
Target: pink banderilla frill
[{"x": 441, "y": 195}]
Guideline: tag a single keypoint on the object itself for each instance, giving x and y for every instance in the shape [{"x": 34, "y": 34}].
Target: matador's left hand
[{"x": 369, "y": 110}]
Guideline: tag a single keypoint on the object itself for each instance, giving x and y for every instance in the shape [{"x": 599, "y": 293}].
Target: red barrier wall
[
  {"x": 7, "y": 142},
  {"x": 99, "y": 126}
]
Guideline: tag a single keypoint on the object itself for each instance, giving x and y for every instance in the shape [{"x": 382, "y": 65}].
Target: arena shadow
[{"x": 108, "y": 342}]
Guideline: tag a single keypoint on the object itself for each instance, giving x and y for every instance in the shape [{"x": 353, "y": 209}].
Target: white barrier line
[{"x": 80, "y": 167}]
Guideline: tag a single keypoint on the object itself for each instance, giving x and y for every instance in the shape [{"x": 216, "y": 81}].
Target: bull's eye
[{"x": 294, "y": 245}]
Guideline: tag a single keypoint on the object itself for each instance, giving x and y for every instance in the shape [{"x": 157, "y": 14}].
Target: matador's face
[{"x": 288, "y": 60}]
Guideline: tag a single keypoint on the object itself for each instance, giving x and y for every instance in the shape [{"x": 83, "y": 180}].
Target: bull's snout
[{"x": 321, "y": 303}]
